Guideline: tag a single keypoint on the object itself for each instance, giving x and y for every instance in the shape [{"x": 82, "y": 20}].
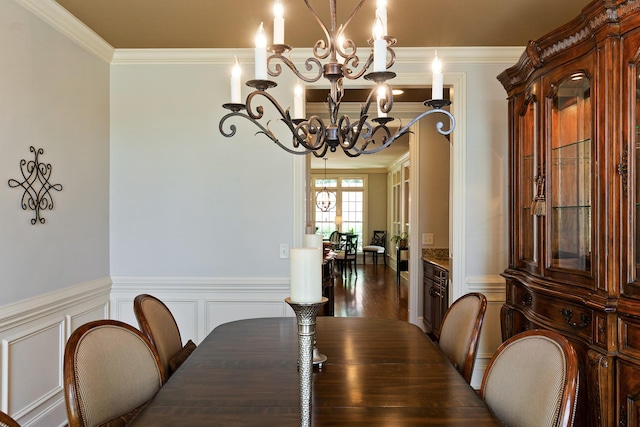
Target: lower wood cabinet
[
  {"x": 435, "y": 296},
  {"x": 328, "y": 281}
]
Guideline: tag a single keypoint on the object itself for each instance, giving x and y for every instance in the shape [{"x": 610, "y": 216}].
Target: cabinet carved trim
[
  {"x": 599, "y": 374},
  {"x": 526, "y": 299},
  {"x": 622, "y": 168}
]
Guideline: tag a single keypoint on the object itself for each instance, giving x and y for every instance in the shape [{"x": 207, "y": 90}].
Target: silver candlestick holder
[{"x": 306, "y": 314}]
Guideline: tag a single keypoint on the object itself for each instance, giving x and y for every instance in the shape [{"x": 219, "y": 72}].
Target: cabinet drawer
[
  {"x": 629, "y": 336},
  {"x": 555, "y": 313}
]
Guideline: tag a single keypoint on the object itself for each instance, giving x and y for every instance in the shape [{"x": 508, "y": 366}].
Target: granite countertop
[{"x": 439, "y": 257}]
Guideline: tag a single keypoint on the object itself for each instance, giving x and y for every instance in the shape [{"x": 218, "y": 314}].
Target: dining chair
[
  {"x": 158, "y": 324},
  {"x": 377, "y": 246},
  {"x": 346, "y": 255},
  {"x": 7, "y": 421},
  {"x": 532, "y": 380},
  {"x": 111, "y": 371},
  {"x": 460, "y": 332}
]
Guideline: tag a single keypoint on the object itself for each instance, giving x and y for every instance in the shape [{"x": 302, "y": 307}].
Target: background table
[{"x": 378, "y": 373}]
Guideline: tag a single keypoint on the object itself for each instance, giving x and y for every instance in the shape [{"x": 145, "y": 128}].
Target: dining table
[{"x": 378, "y": 372}]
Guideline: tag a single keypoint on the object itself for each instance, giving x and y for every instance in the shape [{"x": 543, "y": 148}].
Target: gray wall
[{"x": 55, "y": 96}]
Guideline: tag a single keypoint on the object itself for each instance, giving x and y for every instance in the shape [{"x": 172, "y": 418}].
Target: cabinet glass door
[
  {"x": 570, "y": 198},
  {"x": 529, "y": 170}
]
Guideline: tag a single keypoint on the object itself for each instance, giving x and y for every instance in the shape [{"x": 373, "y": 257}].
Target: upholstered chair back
[
  {"x": 110, "y": 371},
  {"x": 7, "y": 421},
  {"x": 460, "y": 332},
  {"x": 532, "y": 380},
  {"x": 159, "y": 325}
]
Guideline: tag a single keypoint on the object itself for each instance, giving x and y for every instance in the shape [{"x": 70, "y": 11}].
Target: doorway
[{"x": 455, "y": 83}]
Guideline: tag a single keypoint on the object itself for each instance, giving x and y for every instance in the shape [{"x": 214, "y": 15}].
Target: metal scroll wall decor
[{"x": 37, "y": 194}]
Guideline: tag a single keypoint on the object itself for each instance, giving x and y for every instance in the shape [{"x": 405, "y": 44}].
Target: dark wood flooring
[{"x": 371, "y": 293}]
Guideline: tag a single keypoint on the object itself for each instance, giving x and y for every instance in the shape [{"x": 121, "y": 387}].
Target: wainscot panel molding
[
  {"x": 33, "y": 334},
  {"x": 200, "y": 304},
  {"x": 493, "y": 287}
]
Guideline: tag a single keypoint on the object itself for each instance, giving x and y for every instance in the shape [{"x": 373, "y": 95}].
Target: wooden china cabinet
[{"x": 574, "y": 264}]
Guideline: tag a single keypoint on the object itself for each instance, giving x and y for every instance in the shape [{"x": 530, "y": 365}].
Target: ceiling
[{"x": 232, "y": 24}]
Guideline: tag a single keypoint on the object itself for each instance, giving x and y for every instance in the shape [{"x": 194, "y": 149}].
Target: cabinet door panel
[
  {"x": 569, "y": 173},
  {"x": 530, "y": 180}
]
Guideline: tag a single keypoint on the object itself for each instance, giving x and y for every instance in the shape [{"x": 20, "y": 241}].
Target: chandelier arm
[
  {"x": 263, "y": 130},
  {"x": 406, "y": 130},
  {"x": 309, "y": 65},
  {"x": 354, "y": 135},
  {"x": 353, "y": 14},
  {"x": 320, "y": 44},
  {"x": 325, "y": 147},
  {"x": 353, "y": 61},
  {"x": 306, "y": 128}
]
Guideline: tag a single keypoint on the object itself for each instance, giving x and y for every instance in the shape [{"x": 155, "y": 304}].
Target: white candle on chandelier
[
  {"x": 306, "y": 275},
  {"x": 437, "y": 80},
  {"x": 298, "y": 102},
  {"x": 381, "y": 14},
  {"x": 379, "y": 48},
  {"x": 278, "y": 23},
  {"x": 261, "y": 54},
  {"x": 236, "y": 72},
  {"x": 381, "y": 95}
]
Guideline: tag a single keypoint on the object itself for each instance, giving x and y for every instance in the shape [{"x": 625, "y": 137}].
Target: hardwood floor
[{"x": 371, "y": 293}]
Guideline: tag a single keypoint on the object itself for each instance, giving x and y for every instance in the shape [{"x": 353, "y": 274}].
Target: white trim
[
  {"x": 300, "y": 183},
  {"x": 457, "y": 208},
  {"x": 181, "y": 56},
  {"x": 31, "y": 309},
  {"x": 121, "y": 283},
  {"x": 467, "y": 55},
  {"x": 64, "y": 22}
]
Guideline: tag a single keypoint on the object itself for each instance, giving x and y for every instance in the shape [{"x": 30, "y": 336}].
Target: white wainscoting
[
  {"x": 33, "y": 334},
  {"x": 199, "y": 304},
  {"x": 493, "y": 287}
]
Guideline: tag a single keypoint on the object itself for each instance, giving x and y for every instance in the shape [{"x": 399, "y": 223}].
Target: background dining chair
[
  {"x": 160, "y": 327},
  {"x": 377, "y": 246},
  {"x": 346, "y": 255},
  {"x": 460, "y": 332},
  {"x": 7, "y": 421},
  {"x": 532, "y": 380},
  {"x": 334, "y": 238},
  {"x": 110, "y": 371}
]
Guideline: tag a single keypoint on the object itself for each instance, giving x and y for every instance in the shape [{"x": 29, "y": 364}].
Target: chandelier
[
  {"x": 325, "y": 199},
  {"x": 363, "y": 135}
]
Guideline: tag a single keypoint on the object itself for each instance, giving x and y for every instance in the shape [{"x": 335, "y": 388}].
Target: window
[{"x": 349, "y": 207}]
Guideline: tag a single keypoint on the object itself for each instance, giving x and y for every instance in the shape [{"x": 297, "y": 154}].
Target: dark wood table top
[{"x": 378, "y": 373}]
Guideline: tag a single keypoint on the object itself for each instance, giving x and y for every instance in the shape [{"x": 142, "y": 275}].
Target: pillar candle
[
  {"x": 313, "y": 241},
  {"x": 278, "y": 23},
  {"x": 236, "y": 90},
  {"x": 437, "y": 81},
  {"x": 261, "y": 54},
  {"x": 379, "y": 48},
  {"x": 381, "y": 95},
  {"x": 306, "y": 275}
]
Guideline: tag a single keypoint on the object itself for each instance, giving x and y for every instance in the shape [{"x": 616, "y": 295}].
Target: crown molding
[
  {"x": 181, "y": 56},
  {"x": 67, "y": 24},
  {"x": 475, "y": 54}
]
